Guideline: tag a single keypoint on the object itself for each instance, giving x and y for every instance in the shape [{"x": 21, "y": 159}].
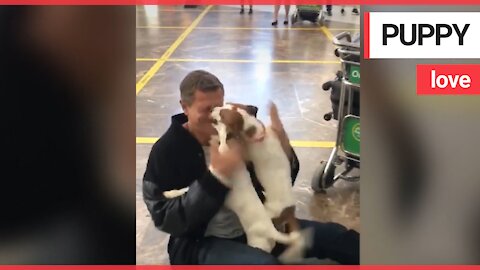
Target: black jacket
[{"x": 177, "y": 161}]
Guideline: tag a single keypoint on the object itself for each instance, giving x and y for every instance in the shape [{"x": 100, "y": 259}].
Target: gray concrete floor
[{"x": 295, "y": 87}]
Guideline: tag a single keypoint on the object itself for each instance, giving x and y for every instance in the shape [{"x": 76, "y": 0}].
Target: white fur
[
  {"x": 244, "y": 201},
  {"x": 272, "y": 167},
  {"x": 175, "y": 193},
  {"x": 273, "y": 171}
]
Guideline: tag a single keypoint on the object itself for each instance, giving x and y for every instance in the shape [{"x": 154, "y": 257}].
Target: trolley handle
[
  {"x": 338, "y": 40},
  {"x": 344, "y": 51}
]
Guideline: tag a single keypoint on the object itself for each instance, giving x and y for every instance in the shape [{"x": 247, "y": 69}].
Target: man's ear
[{"x": 184, "y": 107}]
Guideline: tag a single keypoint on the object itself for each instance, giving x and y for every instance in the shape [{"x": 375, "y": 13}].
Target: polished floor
[{"x": 257, "y": 63}]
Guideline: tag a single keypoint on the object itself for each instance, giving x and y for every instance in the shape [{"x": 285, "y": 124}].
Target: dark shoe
[
  {"x": 274, "y": 23},
  {"x": 343, "y": 11},
  {"x": 285, "y": 22},
  {"x": 250, "y": 11},
  {"x": 329, "y": 12},
  {"x": 242, "y": 11},
  {"x": 355, "y": 11}
]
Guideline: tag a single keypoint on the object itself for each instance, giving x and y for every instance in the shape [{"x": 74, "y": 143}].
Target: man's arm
[{"x": 188, "y": 214}]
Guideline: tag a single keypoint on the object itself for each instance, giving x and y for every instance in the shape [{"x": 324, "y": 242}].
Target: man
[{"x": 202, "y": 230}]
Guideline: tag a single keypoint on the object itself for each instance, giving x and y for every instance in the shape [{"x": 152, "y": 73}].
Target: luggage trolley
[
  {"x": 312, "y": 13},
  {"x": 345, "y": 92}
]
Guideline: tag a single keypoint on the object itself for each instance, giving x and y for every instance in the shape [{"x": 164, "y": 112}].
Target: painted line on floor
[
  {"x": 261, "y": 28},
  {"x": 322, "y": 62},
  {"x": 161, "y": 27},
  {"x": 345, "y": 29},
  {"x": 194, "y": 10},
  {"x": 305, "y": 144},
  {"x": 250, "y": 28},
  {"x": 151, "y": 72},
  {"x": 147, "y": 59},
  {"x": 327, "y": 33}
]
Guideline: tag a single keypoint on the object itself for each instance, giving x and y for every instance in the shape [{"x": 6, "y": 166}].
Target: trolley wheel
[
  {"x": 328, "y": 116},
  {"x": 323, "y": 177}
]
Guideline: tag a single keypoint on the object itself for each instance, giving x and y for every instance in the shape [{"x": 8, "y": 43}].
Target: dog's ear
[
  {"x": 233, "y": 120},
  {"x": 250, "y": 109}
]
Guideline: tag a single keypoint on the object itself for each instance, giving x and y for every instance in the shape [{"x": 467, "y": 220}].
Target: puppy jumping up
[
  {"x": 272, "y": 169},
  {"x": 242, "y": 198}
]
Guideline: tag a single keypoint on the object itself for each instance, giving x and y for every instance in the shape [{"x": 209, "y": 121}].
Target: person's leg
[
  {"x": 329, "y": 10},
  {"x": 333, "y": 241},
  {"x": 287, "y": 11},
  {"x": 275, "y": 15},
  {"x": 355, "y": 10},
  {"x": 215, "y": 251},
  {"x": 250, "y": 11},
  {"x": 242, "y": 10}
]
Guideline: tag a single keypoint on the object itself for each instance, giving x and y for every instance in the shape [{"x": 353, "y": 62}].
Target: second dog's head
[{"x": 239, "y": 122}]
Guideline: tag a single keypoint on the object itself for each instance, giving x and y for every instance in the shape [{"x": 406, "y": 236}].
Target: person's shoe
[
  {"x": 250, "y": 11},
  {"x": 329, "y": 12},
  {"x": 275, "y": 23},
  {"x": 355, "y": 11},
  {"x": 343, "y": 11},
  {"x": 285, "y": 22},
  {"x": 242, "y": 11}
]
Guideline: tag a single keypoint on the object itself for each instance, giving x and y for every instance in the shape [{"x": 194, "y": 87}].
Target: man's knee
[
  {"x": 257, "y": 256},
  {"x": 268, "y": 259}
]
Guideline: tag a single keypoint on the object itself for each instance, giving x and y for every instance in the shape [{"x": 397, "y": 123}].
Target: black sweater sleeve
[{"x": 186, "y": 215}]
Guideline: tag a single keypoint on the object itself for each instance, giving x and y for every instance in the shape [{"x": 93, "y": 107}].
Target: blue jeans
[{"x": 331, "y": 240}]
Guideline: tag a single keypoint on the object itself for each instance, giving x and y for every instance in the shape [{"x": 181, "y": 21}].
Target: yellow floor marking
[
  {"x": 151, "y": 72},
  {"x": 196, "y": 10},
  {"x": 251, "y": 28},
  {"x": 244, "y": 61},
  {"x": 315, "y": 144},
  {"x": 260, "y": 28},
  {"x": 345, "y": 29},
  {"x": 327, "y": 33},
  {"x": 147, "y": 59},
  {"x": 162, "y": 27}
]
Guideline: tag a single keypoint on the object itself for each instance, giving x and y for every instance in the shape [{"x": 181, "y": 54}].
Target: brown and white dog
[
  {"x": 272, "y": 168},
  {"x": 242, "y": 198}
]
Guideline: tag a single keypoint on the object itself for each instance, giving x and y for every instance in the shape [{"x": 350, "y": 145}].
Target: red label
[{"x": 448, "y": 79}]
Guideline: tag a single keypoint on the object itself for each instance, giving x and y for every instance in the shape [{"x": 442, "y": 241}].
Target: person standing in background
[
  {"x": 242, "y": 10},
  {"x": 354, "y": 10},
  {"x": 329, "y": 10},
  {"x": 275, "y": 14}
]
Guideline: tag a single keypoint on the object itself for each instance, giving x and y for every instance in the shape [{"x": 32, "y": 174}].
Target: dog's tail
[{"x": 295, "y": 252}]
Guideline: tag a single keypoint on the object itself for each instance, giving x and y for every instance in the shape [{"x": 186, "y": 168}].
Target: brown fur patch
[
  {"x": 233, "y": 120},
  {"x": 288, "y": 217},
  {"x": 252, "y": 110}
]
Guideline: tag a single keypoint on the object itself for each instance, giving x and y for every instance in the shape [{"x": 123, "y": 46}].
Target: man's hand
[
  {"x": 227, "y": 162},
  {"x": 277, "y": 127}
]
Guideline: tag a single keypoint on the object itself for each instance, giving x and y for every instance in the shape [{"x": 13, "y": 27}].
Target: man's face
[{"x": 198, "y": 112}]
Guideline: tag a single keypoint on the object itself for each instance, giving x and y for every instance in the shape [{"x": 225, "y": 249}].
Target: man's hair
[{"x": 198, "y": 80}]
